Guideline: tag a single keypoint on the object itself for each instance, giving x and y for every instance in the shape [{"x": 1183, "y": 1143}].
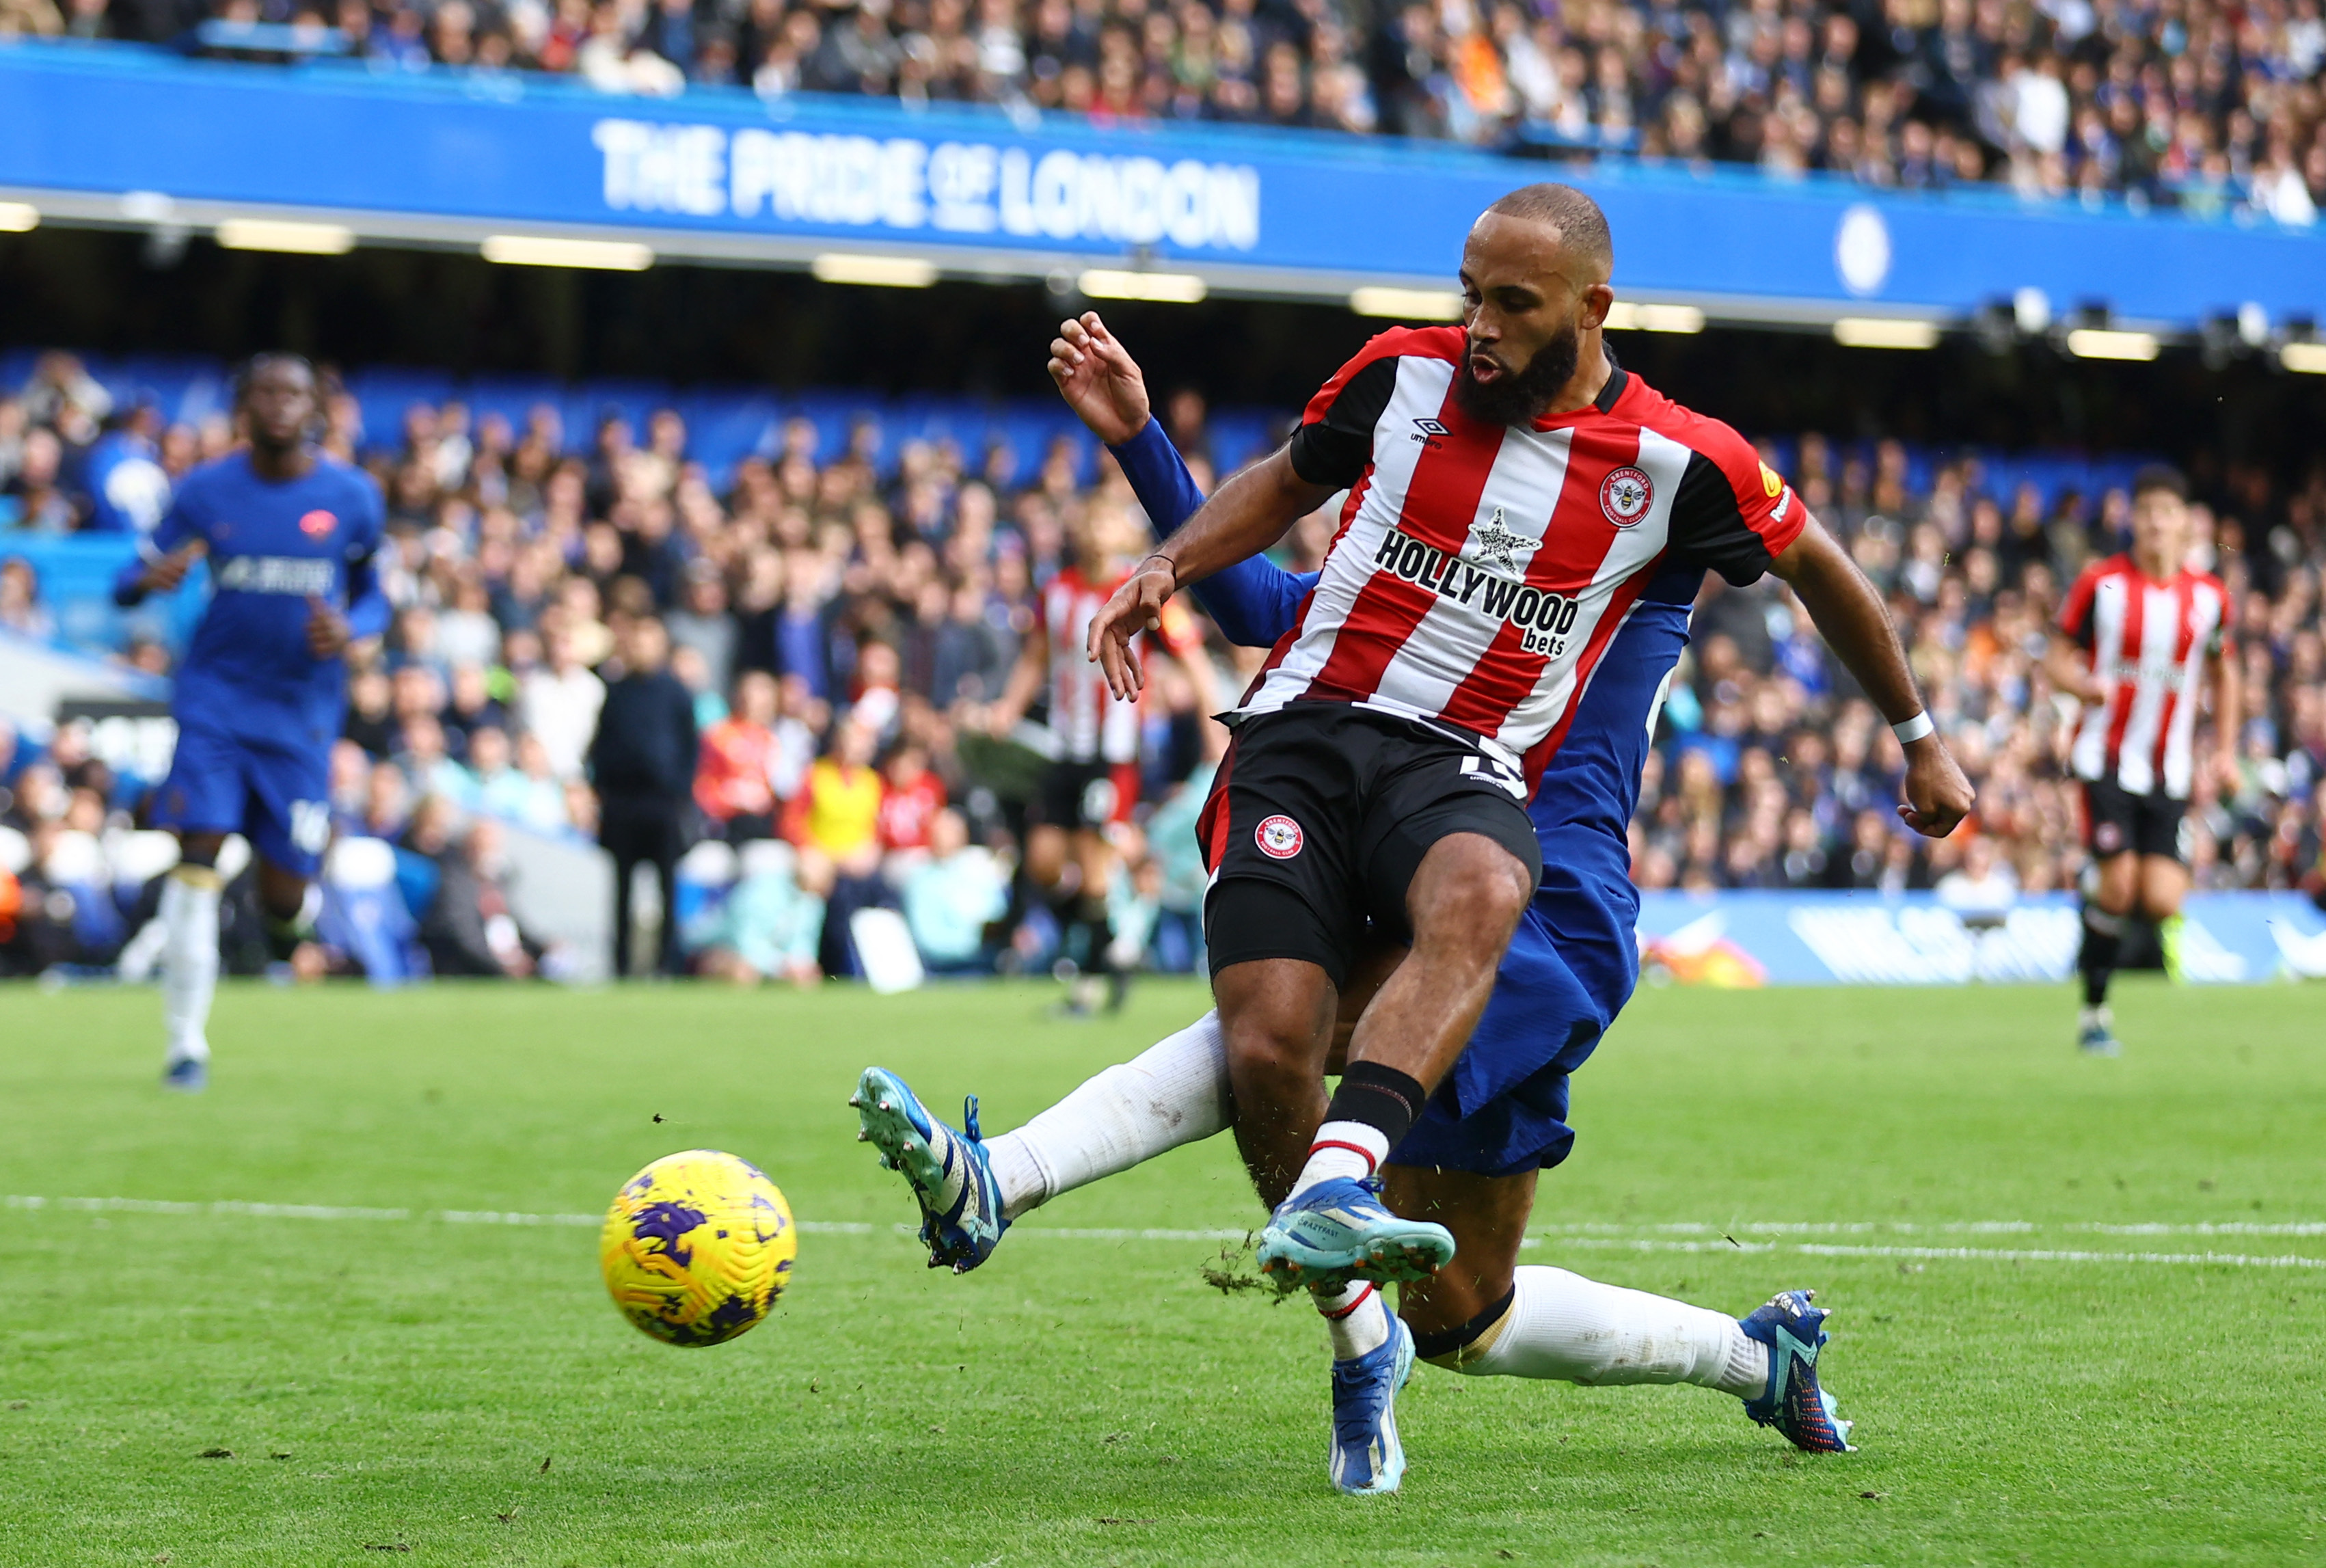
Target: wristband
[{"x": 1913, "y": 730}]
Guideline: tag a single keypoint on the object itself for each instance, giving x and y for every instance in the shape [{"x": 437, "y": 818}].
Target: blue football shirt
[{"x": 273, "y": 547}]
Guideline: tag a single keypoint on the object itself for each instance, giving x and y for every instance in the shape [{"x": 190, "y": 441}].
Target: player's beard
[{"x": 1521, "y": 398}]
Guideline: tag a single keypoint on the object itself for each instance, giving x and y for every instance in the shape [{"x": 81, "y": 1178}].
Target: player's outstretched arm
[
  {"x": 1243, "y": 517},
  {"x": 1253, "y": 602},
  {"x": 1850, "y": 617}
]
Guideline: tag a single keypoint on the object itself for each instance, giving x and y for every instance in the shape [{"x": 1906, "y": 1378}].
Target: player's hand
[
  {"x": 1938, "y": 795},
  {"x": 1099, "y": 379},
  {"x": 326, "y": 630},
  {"x": 1136, "y": 606},
  {"x": 164, "y": 575}
]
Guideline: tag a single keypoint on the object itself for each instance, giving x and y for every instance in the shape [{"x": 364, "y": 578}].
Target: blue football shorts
[
  {"x": 1503, "y": 1109},
  {"x": 277, "y": 797}
]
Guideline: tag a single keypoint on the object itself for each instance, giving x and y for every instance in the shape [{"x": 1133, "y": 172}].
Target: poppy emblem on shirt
[
  {"x": 317, "y": 524},
  {"x": 1624, "y": 496},
  {"x": 1278, "y": 838}
]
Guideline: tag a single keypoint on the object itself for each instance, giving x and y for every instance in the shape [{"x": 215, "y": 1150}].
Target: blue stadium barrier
[
  {"x": 1807, "y": 939},
  {"x": 719, "y": 173}
]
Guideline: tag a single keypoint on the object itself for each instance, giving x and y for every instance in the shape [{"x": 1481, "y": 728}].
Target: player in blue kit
[
  {"x": 290, "y": 533},
  {"x": 1501, "y": 1112}
]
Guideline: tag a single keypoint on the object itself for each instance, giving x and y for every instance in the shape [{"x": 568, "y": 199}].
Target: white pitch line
[{"x": 1598, "y": 1236}]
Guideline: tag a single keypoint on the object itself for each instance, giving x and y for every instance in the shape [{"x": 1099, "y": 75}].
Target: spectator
[
  {"x": 734, "y": 781},
  {"x": 642, "y": 764},
  {"x": 952, "y": 896},
  {"x": 470, "y": 929},
  {"x": 561, "y": 703},
  {"x": 911, "y": 797},
  {"x": 21, "y": 610},
  {"x": 771, "y": 925}
]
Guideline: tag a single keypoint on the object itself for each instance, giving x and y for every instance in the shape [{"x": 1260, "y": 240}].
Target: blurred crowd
[
  {"x": 807, "y": 663},
  {"x": 2212, "y": 106}
]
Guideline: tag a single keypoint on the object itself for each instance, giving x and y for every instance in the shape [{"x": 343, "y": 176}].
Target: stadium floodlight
[
  {"x": 297, "y": 238},
  {"x": 1165, "y": 288},
  {"x": 1407, "y": 305},
  {"x": 18, "y": 217},
  {"x": 1885, "y": 332},
  {"x": 879, "y": 272},
  {"x": 2305, "y": 358},
  {"x": 542, "y": 250},
  {"x": 1631, "y": 316},
  {"x": 2111, "y": 343}
]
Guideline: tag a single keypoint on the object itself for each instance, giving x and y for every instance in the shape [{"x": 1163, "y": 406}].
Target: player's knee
[
  {"x": 1473, "y": 894},
  {"x": 200, "y": 848}
]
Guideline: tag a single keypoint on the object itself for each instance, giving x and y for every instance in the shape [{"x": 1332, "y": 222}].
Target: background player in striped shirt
[
  {"x": 1091, "y": 780},
  {"x": 2141, "y": 635}
]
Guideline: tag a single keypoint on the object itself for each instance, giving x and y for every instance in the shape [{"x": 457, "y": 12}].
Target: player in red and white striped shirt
[
  {"x": 2137, "y": 636},
  {"x": 1091, "y": 780},
  {"x": 1509, "y": 492}
]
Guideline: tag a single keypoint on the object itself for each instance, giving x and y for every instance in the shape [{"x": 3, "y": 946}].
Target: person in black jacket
[{"x": 642, "y": 762}]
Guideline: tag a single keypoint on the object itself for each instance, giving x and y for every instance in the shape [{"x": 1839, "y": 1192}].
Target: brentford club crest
[
  {"x": 1278, "y": 838},
  {"x": 1624, "y": 496}
]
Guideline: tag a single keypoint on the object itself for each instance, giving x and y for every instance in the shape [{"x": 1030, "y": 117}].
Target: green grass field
[{"x": 463, "y": 1392}]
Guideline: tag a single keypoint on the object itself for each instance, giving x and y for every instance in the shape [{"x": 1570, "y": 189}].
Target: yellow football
[{"x": 697, "y": 1247}]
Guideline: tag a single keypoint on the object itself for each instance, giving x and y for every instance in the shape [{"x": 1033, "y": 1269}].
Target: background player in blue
[
  {"x": 290, "y": 533},
  {"x": 1499, "y": 1118}
]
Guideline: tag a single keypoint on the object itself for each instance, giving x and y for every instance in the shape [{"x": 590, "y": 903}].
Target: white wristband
[{"x": 1913, "y": 730}]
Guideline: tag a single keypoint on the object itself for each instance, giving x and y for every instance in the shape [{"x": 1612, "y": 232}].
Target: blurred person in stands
[
  {"x": 1983, "y": 886},
  {"x": 559, "y": 703},
  {"x": 21, "y": 610},
  {"x": 127, "y": 489},
  {"x": 2143, "y": 638},
  {"x": 952, "y": 896},
  {"x": 837, "y": 812},
  {"x": 33, "y": 496},
  {"x": 642, "y": 766},
  {"x": 734, "y": 780},
  {"x": 507, "y": 792},
  {"x": 911, "y": 798},
  {"x": 771, "y": 925},
  {"x": 290, "y": 533},
  {"x": 470, "y": 929}
]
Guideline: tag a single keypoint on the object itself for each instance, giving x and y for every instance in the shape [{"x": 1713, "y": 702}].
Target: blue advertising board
[
  {"x": 721, "y": 173},
  {"x": 1749, "y": 939}
]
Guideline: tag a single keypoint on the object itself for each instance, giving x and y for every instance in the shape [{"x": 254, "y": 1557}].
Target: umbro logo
[{"x": 1428, "y": 430}]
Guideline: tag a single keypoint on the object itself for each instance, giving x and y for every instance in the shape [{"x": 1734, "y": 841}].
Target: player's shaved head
[
  {"x": 1582, "y": 226},
  {"x": 1534, "y": 293}
]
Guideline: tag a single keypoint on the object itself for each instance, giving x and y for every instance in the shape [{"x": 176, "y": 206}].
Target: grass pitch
[{"x": 2038, "y": 1373}]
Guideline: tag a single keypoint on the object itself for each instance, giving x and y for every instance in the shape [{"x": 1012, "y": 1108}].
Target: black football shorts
[
  {"x": 2118, "y": 822},
  {"x": 1320, "y": 817}
]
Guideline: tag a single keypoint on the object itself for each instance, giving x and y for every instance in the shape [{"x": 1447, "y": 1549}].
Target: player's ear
[{"x": 1597, "y": 300}]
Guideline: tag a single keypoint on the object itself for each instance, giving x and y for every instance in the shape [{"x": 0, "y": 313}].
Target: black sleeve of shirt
[
  {"x": 1335, "y": 449},
  {"x": 1708, "y": 528}
]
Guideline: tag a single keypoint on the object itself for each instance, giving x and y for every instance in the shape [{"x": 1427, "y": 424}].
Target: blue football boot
[
  {"x": 1338, "y": 1231},
  {"x": 187, "y": 1075},
  {"x": 1793, "y": 1404},
  {"x": 1367, "y": 1459},
  {"x": 952, "y": 1179}
]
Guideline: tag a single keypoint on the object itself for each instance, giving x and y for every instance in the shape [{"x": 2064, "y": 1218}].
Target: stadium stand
[
  {"x": 846, "y": 580},
  {"x": 2214, "y": 108}
]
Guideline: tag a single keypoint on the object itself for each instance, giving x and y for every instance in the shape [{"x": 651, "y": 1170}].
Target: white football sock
[
  {"x": 1341, "y": 1148},
  {"x": 1356, "y": 1317},
  {"x": 1564, "y": 1326},
  {"x": 190, "y": 959},
  {"x": 1174, "y": 1092}
]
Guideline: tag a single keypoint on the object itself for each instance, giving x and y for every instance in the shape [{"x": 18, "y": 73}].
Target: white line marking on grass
[
  {"x": 1688, "y": 1236},
  {"x": 1955, "y": 1254}
]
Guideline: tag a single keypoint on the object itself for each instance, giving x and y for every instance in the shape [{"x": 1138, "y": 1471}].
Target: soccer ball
[{"x": 697, "y": 1247}]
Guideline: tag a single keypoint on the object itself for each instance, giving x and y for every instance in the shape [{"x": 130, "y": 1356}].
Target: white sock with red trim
[
  {"x": 1341, "y": 1148},
  {"x": 1356, "y": 1319}
]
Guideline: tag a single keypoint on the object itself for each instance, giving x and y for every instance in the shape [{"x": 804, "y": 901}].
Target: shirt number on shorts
[{"x": 310, "y": 826}]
